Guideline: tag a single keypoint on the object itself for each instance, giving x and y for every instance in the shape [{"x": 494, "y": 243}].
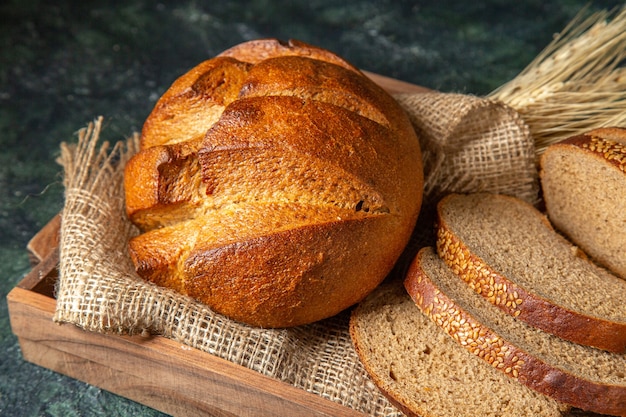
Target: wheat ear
[{"x": 577, "y": 83}]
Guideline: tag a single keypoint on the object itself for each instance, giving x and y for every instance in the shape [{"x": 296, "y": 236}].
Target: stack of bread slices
[{"x": 516, "y": 311}]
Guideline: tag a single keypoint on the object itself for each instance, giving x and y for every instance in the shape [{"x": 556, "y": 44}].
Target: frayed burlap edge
[{"x": 99, "y": 291}]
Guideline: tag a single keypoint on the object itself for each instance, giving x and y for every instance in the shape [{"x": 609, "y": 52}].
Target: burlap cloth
[{"x": 469, "y": 144}]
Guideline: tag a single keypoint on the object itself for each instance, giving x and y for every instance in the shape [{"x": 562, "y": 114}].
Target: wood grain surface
[{"x": 155, "y": 371}]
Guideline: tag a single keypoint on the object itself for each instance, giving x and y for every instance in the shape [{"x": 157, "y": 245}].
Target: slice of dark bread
[
  {"x": 507, "y": 251},
  {"x": 583, "y": 179},
  {"x": 584, "y": 377},
  {"x": 425, "y": 373}
]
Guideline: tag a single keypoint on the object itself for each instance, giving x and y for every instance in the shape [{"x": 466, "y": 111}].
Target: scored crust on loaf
[
  {"x": 193, "y": 102},
  {"x": 584, "y": 188},
  {"x": 581, "y": 376},
  {"x": 424, "y": 372},
  {"x": 256, "y": 51},
  {"x": 264, "y": 169},
  {"x": 506, "y": 250}
]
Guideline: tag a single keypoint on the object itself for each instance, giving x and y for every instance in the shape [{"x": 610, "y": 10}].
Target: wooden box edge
[{"x": 154, "y": 371}]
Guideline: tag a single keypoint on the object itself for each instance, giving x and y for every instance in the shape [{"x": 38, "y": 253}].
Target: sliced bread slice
[
  {"x": 584, "y": 189},
  {"x": 424, "y": 372},
  {"x": 581, "y": 376},
  {"x": 507, "y": 251}
]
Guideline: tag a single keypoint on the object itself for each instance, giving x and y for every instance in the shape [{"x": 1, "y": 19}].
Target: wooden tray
[{"x": 154, "y": 371}]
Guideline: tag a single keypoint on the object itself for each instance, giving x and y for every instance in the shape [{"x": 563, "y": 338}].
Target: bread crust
[
  {"x": 505, "y": 356},
  {"x": 422, "y": 371},
  {"x": 275, "y": 183},
  {"x": 255, "y": 51},
  {"x": 519, "y": 302},
  {"x": 607, "y": 146}
]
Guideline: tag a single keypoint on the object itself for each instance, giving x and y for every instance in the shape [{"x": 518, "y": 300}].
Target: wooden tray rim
[{"x": 204, "y": 383}]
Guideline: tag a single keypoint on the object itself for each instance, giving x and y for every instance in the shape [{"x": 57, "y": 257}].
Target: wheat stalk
[{"x": 577, "y": 83}]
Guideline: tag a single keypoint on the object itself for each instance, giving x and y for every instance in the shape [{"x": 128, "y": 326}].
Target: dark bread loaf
[
  {"x": 583, "y": 179},
  {"x": 275, "y": 183},
  {"x": 581, "y": 376},
  {"x": 507, "y": 251}
]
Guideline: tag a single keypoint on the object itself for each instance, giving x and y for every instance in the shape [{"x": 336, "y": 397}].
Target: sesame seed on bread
[
  {"x": 584, "y": 188},
  {"x": 507, "y": 251},
  {"x": 581, "y": 376},
  {"x": 425, "y": 373}
]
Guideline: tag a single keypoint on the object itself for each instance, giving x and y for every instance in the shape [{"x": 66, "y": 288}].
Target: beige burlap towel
[
  {"x": 472, "y": 144},
  {"x": 467, "y": 137}
]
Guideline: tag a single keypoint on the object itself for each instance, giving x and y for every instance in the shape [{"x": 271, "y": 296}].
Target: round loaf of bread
[{"x": 275, "y": 183}]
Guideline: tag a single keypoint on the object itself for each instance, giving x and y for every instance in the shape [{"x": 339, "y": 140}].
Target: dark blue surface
[{"x": 63, "y": 63}]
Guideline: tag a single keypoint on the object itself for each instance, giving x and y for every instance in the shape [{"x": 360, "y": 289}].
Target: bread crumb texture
[
  {"x": 581, "y": 376},
  {"x": 583, "y": 180},
  {"x": 425, "y": 372},
  {"x": 507, "y": 251}
]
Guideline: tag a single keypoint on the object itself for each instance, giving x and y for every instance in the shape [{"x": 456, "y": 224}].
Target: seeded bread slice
[
  {"x": 424, "y": 372},
  {"x": 584, "y": 188},
  {"x": 581, "y": 376},
  {"x": 507, "y": 251}
]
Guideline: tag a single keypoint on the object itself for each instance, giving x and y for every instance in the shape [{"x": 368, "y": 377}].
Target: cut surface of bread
[
  {"x": 583, "y": 179},
  {"x": 581, "y": 376},
  {"x": 275, "y": 183},
  {"x": 426, "y": 373},
  {"x": 506, "y": 250}
]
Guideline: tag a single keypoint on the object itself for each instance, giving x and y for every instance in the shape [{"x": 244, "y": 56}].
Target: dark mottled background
[{"x": 62, "y": 63}]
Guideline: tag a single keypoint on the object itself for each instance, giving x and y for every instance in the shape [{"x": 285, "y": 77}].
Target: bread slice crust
[
  {"x": 527, "y": 299},
  {"x": 423, "y": 372},
  {"x": 584, "y": 189},
  {"x": 567, "y": 372}
]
